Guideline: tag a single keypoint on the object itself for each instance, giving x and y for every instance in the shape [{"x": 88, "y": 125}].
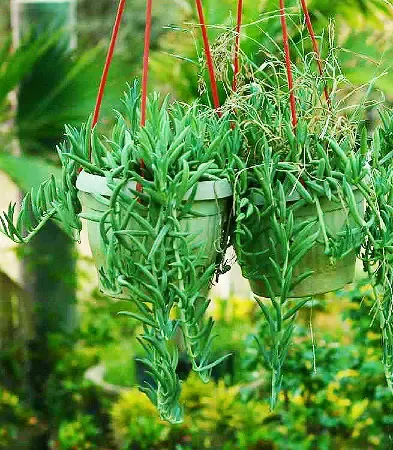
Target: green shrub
[
  {"x": 333, "y": 395},
  {"x": 79, "y": 434},
  {"x": 223, "y": 420},
  {"x": 119, "y": 360},
  {"x": 344, "y": 404},
  {"x": 135, "y": 421},
  {"x": 100, "y": 325},
  {"x": 216, "y": 418},
  {"x": 68, "y": 392},
  {"x": 15, "y": 418}
]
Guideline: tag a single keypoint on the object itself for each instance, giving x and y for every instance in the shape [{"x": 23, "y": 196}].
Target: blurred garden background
[{"x": 68, "y": 364}]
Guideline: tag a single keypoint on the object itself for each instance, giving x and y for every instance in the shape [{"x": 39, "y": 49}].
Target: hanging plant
[
  {"x": 296, "y": 164},
  {"x": 155, "y": 196},
  {"x": 312, "y": 195},
  {"x": 157, "y": 233}
]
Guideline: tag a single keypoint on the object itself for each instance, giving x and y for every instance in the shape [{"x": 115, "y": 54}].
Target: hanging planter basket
[
  {"x": 325, "y": 274},
  {"x": 260, "y": 252},
  {"x": 210, "y": 208}
]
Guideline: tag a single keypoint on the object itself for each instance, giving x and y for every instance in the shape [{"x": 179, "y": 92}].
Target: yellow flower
[
  {"x": 373, "y": 336},
  {"x": 357, "y": 429},
  {"x": 343, "y": 402},
  {"x": 282, "y": 430},
  {"x": 355, "y": 433},
  {"x": 358, "y": 409},
  {"x": 375, "y": 440},
  {"x": 241, "y": 307},
  {"x": 366, "y": 289},
  {"x": 10, "y": 399},
  {"x": 308, "y": 365},
  {"x": 33, "y": 421},
  {"x": 330, "y": 393},
  {"x": 298, "y": 399},
  {"x": 347, "y": 374}
]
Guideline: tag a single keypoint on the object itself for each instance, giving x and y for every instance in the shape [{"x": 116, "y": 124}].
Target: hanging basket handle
[
  {"x": 288, "y": 56},
  {"x": 208, "y": 54},
  {"x": 286, "y": 51},
  {"x": 108, "y": 61},
  {"x": 311, "y": 32},
  {"x": 209, "y": 59},
  {"x": 236, "y": 63},
  {"x": 146, "y": 54},
  {"x": 109, "y": 58},
  {"x": 285, "y": 37}
]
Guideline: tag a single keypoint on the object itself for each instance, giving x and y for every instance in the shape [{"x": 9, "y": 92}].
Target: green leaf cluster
[
  {"x": 327, "y": 158},
  {"x": 149, "y": 254}
]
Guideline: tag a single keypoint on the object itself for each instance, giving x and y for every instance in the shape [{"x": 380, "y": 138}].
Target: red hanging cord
[
  {"x": 315, "y": 46},
  {"x": 108, "y": 61},
  {"x": 107, "y": 65},
  {"x": 236, "y": 65},
  {"x": 145, "y": 74},
  {"x": 208, "y": 54},
  {"x": 288, "y": 62},
  {"x": 146, "y": 54}
]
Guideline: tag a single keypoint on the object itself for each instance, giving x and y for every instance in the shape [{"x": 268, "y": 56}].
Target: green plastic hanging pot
[
  {"x": 211, "y": 202},
  {"x": 327, "y": 276}
]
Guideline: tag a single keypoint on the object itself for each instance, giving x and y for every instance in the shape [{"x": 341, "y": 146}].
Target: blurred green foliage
[
  {"x": 18, "y": 421},
  {"x": 334, "y": 395},
  {"x": 80, "y": 434}
]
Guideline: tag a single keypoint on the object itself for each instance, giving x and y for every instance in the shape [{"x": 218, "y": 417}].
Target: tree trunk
[
  {"x": 6, "y": 322},
  {"x": 49, "y": 262}
]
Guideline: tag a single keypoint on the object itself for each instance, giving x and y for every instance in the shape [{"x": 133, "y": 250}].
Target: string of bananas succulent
[
  {"x": 153, "y": 254},
  {"x": 149, "y": 251},
  {"x": 289, "y": 182},
  {"x": 54, "y": 199},
  {"x": 377, "y": 249}
]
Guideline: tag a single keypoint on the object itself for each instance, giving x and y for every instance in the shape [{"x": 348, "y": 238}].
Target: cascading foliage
[
  {"x": 377, "y": 249},
  {"x": 163, "y": 267},
  {"x": 150, "y": 255},
  {"x": 327, "y": 157}
]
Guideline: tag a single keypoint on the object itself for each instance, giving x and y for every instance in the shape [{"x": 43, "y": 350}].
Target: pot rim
[
  {"x": 206, "y": 190},
  {"x": 294, "y": 196}
]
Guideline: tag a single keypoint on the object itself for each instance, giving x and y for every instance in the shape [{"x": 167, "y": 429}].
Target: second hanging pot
[{"x": 326, "y": 275}]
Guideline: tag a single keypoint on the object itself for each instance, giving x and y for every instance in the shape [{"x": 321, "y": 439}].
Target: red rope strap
[
  {"x": 145, "y": 74},
  {"x": 208, "y": 54},
  {"x": 315, "y": 46},
  {"x": 236, "y": 65},
  {"x": 108, "y": 61},
  {"x": 146, "y": 54},
  {"x": 107, "y": 65},
  {"x": 288, "y": 62}
]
